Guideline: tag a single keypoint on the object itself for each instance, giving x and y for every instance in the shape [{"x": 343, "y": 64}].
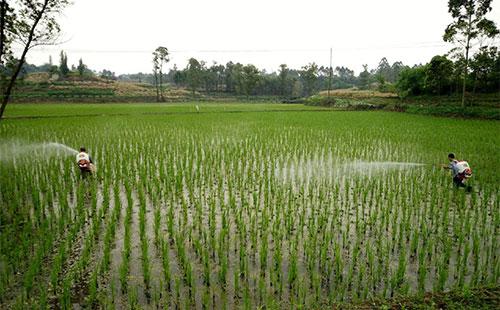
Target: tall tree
[
  {"x": 309, "y": 76},
  {"x": 81, "y": 67},
  {"x": 194, "y": 74},
  {"x": 250, "y": 76},
  {"x": 469, "y": 24},
  {"x": 411, "y": 81},
  {"x": 32, "y": 23},
  {"x": 210, "y": 77},
  {"x": 485, "y": 67},
  {"x": 160, "y": 57},
  {"x": 345, "y": 77},
  {"x": 283, "y": 79},
  {"x": 237, "y": 78},
  {"x": 438, "y": 75},
  {"x": 396, "y": 69},
  {"x": 179, "y": 77},
  {"x": 6, "y": 20},
  {"x": 156, "y": 69},
  {"x": 228, "y": 77},
  {"x": 218, "y": 73},
  {"x": 364, "y": 78},
  {"x": 384, "y": 70},
  {"x": 63, "y": 65}
]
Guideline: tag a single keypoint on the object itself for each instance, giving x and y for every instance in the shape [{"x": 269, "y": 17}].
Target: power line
[{"x": 248, "y": 51}]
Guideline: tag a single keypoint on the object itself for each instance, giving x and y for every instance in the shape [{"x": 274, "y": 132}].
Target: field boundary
[
  {"x": 167, "y": 113},
  {"x": 474, "y": 298}
]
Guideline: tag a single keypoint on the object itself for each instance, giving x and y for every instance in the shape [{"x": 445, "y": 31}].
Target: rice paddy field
[{"x": 241, "y": 206}]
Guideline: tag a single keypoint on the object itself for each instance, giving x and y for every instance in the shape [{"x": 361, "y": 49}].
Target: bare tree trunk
[
  {"x": 161, "y": 85},
  {"x": 161, "y": 80},
  {"x": 467, "y": 48},
  {"x": 474, "y": 84},
  {"x": 156, "y": 86},
  {"x": 10, "y": 86},
  {"x": 465, "y": 72}
]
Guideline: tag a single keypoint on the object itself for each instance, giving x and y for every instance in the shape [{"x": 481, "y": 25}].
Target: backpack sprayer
[{"x": 464, "y": 170}]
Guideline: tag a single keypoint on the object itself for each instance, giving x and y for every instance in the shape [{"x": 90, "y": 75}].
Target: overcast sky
[{"x": 119, "y": 35}]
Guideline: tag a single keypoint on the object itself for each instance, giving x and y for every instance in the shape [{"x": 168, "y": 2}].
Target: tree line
[
  {"x": 63, "y": 70},
  {"x": 248, "y": 80},
  {"x": 31, "y": 23},
  {"x": 441, "y": 76},
  {"x": 234, "y": 77}
]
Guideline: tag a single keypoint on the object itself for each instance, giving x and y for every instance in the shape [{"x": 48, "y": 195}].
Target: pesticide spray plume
[
  {"x": 13, "y": 150},
  {"x": 379, "y": 165},
  {"x": 329, "y": 169}
]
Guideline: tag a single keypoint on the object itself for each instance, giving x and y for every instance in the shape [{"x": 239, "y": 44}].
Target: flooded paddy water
[{"x": 244, "y": 210}]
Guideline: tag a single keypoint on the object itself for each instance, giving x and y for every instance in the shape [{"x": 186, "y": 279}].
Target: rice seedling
[{"x": 253, "y": 209}]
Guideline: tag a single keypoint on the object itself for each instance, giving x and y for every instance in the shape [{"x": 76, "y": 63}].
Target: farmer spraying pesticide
[
  {"x": 460, "y": 171},
  {"x": 85, "y": 163}
]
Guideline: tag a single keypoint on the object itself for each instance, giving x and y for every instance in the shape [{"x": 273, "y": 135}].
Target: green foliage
[
  {"x": 411, "y": 82},
  {"x": 439, "y": 75},
  {"x": 468, "y": 26},
  {"x": 364, "y": 78},
  {"x": 309, "y": 77},
  {"x": 284, "y": 81},
  {"x": 485, "y": 66},
  {"x": 454, "y": 111},
  {"x": 160, "y": 58},
  {"x": 318, "y": 100},
  {"x": 107, "y": 74},
  {"x": 8, "y": 20},
  {"x": 469, "y": 21},
  {"x": 81, "y": 67},
  {"x": 343, "y": 78},
  {"x": 194, "y": 74},
  {"x": 249, "y": 79},
  {"x": 179, "y": 77},
  {"x": 31, "y": 23},
  {"x": 63, "y": 65},
  {"x": 390, "y": 73}
]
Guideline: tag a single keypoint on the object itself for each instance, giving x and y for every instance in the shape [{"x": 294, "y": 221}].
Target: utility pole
[{"x": 330, "y": 74}]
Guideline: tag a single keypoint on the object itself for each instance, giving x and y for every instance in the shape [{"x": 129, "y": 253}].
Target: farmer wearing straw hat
[{"x": 84, "y": 162}]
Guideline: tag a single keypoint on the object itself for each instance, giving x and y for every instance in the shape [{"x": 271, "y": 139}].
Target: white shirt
[{"x": 453, "y": 167}]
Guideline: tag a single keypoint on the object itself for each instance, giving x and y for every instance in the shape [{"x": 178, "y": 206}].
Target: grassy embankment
[
  {"x": 484, "y": 106},
  {"x": 53, "y": 110}
]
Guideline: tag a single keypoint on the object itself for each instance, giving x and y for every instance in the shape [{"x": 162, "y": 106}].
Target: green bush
[{"x": 318, "y": 100}]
